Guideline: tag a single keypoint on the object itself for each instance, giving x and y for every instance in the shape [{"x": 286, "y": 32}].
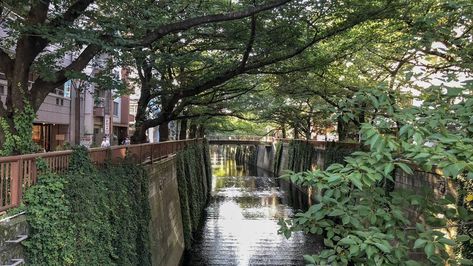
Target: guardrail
[
  {"x": 17, "y": 173},
  {"x": 236, "y": 138},
  {"x": 323, "y": 145}
]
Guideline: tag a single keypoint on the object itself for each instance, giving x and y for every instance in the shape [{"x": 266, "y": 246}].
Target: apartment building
[
  {"x": 73, "y": 113},
  {"x": 112, "y": 113}
]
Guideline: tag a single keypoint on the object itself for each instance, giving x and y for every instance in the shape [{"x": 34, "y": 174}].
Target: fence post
[{"x": 15, "y": 182}]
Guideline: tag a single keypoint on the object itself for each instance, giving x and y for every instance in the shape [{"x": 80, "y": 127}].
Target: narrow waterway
[{"x": 240, "y": 227}]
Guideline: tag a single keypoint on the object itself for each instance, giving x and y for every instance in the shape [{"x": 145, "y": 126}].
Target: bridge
[{"x": 240, "y": 140}]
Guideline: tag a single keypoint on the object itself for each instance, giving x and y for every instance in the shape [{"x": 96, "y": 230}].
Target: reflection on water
[{"x": 240, "y": 227}]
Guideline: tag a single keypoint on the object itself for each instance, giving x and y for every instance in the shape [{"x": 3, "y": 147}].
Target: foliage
[
  {"x": 51, "y": 235},
  {"x": 361, "y": 222},
  {"x": 89, "y": 216},
  {"x": 20, "y": 140},
  {"x": 194, "y": 185}
]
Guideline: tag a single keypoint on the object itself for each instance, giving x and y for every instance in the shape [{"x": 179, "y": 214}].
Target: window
[
  {"x": 2, "y": 89},
  {"x": 59, "y": 101},
  {"x": 115, "y": 108}
]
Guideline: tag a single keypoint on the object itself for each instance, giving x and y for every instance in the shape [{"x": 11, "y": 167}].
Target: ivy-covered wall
[
  {"x": 302, "y": 155},
  {"x": 194, "y": 184},
  {"x": 89, "y": 216},
  {"x": 247, "y": 154}
]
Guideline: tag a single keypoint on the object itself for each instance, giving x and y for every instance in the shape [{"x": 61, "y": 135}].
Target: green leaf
[
  {"x": 429, "y": 249},
  {"x": 420, "y": 227},
  {"x": 454, "y": 169},
  {"x": 309, "y": 259},
  {"x": 404, "y": 129},
  {"x": 405, "y": 168},
  {"x": 420, "y": 243},
  {"x": 447, "y": 241},
  {"x": 354, "y": 249},
  {"x": 412, "y": 263},
  {"x": 383, "y": 247},
  {"x": 465, "y": 262},
  {"x": 336, "y": 212},
  {"x": 355, "y": 178},
  {"x": 347, "y": 241},
  {"x": 388, "y": 169},
  {"x": 463, "y": 238},
  {"x": 454, "y": 91}
]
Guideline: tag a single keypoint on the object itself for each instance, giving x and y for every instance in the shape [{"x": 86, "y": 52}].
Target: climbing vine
[
  {"x": 89, "y": 216},
  {"x": 300, "y": 155},
  {"x": 21, "y": 141},
  {"x": 277, "y": 157},
  {"x": 194, "y": 184}
]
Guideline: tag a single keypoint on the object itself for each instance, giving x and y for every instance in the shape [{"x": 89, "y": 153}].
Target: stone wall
[
  {"x": 165, "y": 228},
  {"x": 265, "y": 157},
  {"x": 166, "y": 235},
  {"x": 12, "y": 228}
]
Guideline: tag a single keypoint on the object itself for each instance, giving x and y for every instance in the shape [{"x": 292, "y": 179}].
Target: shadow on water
[{"x": 240, "y": 226}]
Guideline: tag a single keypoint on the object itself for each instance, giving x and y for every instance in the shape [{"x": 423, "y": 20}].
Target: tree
[
  {"x": 232, "y": 57},
  {"x": 35, "y": 28}
]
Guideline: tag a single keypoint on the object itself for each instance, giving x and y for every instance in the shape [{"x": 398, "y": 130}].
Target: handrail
[{"x": 19, "y": 172}]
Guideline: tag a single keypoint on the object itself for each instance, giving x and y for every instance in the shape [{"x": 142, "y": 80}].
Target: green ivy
[
  {"x": 51, "y": 234},
  {"x": 90, "y": 216},
  {"x": 20, "y": 141},
  {"x": 277, "y": 158},
  {"x": 300, "y": 154},
  {"x": 194, "y": 179}
]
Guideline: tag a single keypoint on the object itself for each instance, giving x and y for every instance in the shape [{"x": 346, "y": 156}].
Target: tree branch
[
  {"x": 42, "y": 87},
  {"x": 193, "y": 22},
  {"x": 251, "y": 41}
]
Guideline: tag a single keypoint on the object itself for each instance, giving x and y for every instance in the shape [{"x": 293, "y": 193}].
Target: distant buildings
[{"x": 79, "y": 113}]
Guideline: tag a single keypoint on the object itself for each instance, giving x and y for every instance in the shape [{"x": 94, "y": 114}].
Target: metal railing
[{"x": 17, "y": 173}]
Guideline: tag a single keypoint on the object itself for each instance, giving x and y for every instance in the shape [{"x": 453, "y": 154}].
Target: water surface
[{"x": 240, "y": 226}]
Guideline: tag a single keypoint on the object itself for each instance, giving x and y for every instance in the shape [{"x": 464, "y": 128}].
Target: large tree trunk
[
  {"x": 342, "y": 129},
  {"x": 183, "y": 129},
  {"x": 164, "y": 132},
  {"x": 139, "y": 136},
  {"x": 296, "y": 132},
  {"x": 308, "y": 130},
  {"x": 193, "y": 131}
]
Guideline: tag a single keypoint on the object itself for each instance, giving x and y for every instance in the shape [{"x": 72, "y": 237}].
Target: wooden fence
[{"x": 17, "y": 173}]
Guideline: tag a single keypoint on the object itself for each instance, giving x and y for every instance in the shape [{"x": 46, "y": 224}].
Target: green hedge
[
  {"x": 194, "y": 185},
  {"x": 89, "y": 216}
]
